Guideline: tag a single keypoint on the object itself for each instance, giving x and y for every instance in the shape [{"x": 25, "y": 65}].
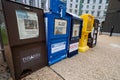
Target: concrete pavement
[{"x": 99, "y": 63}]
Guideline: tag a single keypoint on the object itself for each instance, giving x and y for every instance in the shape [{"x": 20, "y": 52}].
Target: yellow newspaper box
[{"x": 88, "y": 21}]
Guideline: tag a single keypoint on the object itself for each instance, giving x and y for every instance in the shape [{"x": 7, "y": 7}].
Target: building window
[
  {"x": 98, "y": 13},
  {"x": 76, "y": 0},
  {"x": 81, "y": 12},
  {"x": 38, "y": 4},
  {"x": 42, "y": 5},
  {"x": 76, "y": 11},
  {"x": 86, "y": 12},
  {"x": 93, "y": 7},
  {"x": 18, "y": 0},
  {"x": 100, "y": 1},
  {"x": 92, "y": 12},
  {"x": 99, "y": 7},
  {"x": 82, "y": 1},
  {"x": 106, "y": 7},
  {"x": 87, "y": 6},
  {"x": 32, "y": 2},
  {"x": 70, "y": 10},
  {"x": 107, "y": 1},
  {"x": 71, "y": 0},
  {"x": 76, "y": 6},
  {"x": 70, "y": 5},
  {"x": 94, "y": 1},
  {"x": 81, "y": 6},
  {"x": 104, "y": 13},
  {"x": 88, "y": 1}
]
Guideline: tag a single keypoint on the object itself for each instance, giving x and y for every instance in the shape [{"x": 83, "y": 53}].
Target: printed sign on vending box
[
  {"x": 73, "y": 47},
  {"x": 58, "y": 47}
]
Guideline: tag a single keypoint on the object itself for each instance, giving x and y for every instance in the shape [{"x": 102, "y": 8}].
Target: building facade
[
  {"x": 73, "y": 6},
  {"x": 97, "y": 8},
  {"x": 112, "y": 17},
  {"x": 35, "y": 3}
]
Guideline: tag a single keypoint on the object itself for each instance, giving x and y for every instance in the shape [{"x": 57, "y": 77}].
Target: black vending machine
[
  {"x": 75, "y": 34},
  {"x": 92, "y": 37}
]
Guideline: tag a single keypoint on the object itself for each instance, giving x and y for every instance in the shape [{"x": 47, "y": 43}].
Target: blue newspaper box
[
  {"x": 57, "y": 6},
  {"x": 75, "y": 34},
  {"x": 57, "y": 32}
]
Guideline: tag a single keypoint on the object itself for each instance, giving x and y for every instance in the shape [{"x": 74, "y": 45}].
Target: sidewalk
[{"x": 99, "y": 63}]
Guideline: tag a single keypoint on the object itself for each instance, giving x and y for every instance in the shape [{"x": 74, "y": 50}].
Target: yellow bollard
[{"x": 88, "y": 21}]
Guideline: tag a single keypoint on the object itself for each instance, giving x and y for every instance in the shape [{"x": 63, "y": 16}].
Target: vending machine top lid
[
  {"x": 55, "y": 6},
  {"x": 74, "y": 15}
]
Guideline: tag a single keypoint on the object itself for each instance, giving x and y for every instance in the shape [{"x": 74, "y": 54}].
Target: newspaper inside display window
[
  {"x": 60, "y": 26},
  {"x": 28, "y": 26},
  {"x": 76, "y": 28}
]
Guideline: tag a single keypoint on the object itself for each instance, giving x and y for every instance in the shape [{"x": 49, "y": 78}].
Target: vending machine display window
[
  {"x": 76, "y": 28},
  {"x": 89, "y": 23},
  {"x": 60, "y": 27},
  {"x": 27, "y": 24}
]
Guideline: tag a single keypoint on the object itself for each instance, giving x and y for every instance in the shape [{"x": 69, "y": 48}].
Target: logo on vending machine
[{"x": 30, "y": 58}]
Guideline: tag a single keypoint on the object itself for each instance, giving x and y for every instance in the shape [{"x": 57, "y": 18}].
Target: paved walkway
[{"x": 99, "y": 63}]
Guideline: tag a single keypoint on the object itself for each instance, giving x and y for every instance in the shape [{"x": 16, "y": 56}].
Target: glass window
[
  {"x": 76, "y": 0},
  {"x": 18, "y": 0},
  {"x": 81, "y": 6},
  {"x": 82, "y": 1},
  {"x": 88, "y": 1},
  {"x": 92, "y": 12},
  {"x": 93, "y": 7},
  {"x": 28, "y": 25},
  {"x": 60, "y": 26},
  {"x": 98, "y": 13},
  {"x": 76, "y": 28},
  {"x": 104, "y": 12},
  {"x": 32, "y": 2},
  {"x": 94, "y": 1},
  {"x": 70, "y": 10},
  {"x": 71, "y": 0},
  {"x": 42, "y": 5},
  {"x": 76, "y": 6},
  {"x": 100, "y": 1},
  {"x": 106, "y": 7},
  {"x": 87, "y": 11},
  {"x": 87, "y": 6},
  {"x": 99, "y": 7},
  {"x": 81, "y": 12},
  {"x": 76, "y": 11},
  {"x": 70, "y": 5},
  {"x": 38, "y": 4},
  {"x": 89, "y": 23},
  {"x": 107, "y": 1}
]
